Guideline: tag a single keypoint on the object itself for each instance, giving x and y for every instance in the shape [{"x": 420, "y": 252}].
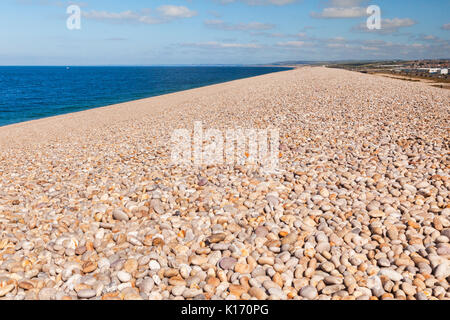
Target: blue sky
[{"x": 155, "y": 32}]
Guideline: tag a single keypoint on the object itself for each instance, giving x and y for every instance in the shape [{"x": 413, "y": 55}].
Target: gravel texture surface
[{"x": 92, "y": 208}]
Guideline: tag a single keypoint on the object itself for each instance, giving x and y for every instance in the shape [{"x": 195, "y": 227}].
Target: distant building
[
  {"x": 433, "y": 70},
  {"x": 444, "y": 71}
]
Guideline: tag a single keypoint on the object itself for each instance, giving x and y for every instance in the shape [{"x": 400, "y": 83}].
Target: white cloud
[
  {"x": 342, "y": 9},
  {"x": 222, "y": 45},
  {"x": 171, "y": 11},
  {"x": 292, "y": 44},
  {"x": 340, "y": 13},
  {"x": 261, "y": 2},
  {"x": 125, "y": 16},
  {"x": 396, "y": 23},
  {"x": 346, "y": 3},
  {"x": 446, "y": 26},
  {"x": 388, "y": 25},
  {"x": 166, "y": 14},
  {"x": 252, "y": 26},
  {"x": 366, "y": 48}
]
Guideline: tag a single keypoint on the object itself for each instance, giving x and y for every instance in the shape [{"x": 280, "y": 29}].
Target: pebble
[
  {"x": 442, "y": 271},
  {"x": 120, "y": 215},
  {"x": 308, "y": 292},
  {"x": 261, "y": 232},
  {"x": 227, "y": 263},
  {"x": 391, "y": 274},
  {"x": 123, "y": 276},
  {"x": 154, "y": 265},
  {"x": 86, "y": 293}
]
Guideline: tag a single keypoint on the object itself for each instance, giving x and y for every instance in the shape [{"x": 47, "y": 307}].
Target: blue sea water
[{"x": 28, "y": 93}]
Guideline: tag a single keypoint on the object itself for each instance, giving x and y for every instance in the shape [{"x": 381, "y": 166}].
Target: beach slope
[{"x": 91, "y": 206}]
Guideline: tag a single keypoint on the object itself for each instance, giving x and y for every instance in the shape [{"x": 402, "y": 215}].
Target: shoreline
[
  {"x": 281, "y": 69},
  {"x": 10, "y": 128}
]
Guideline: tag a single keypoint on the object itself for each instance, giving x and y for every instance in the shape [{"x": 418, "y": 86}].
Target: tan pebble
[
  {"x": 130, "y": 265},
  {"x": 215, "y": 238},
  {"x": 89, "y": 266},
  {"x": 258, "y": 293},
  {"x": 26, "y": 285},
  {"x": 242, "y": 268},
  {"x": 6, "y": 289},
  {"x": 237, "y": 290}
]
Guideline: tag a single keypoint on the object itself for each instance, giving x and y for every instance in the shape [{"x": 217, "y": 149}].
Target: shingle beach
[{"x": 91, "y": 206}]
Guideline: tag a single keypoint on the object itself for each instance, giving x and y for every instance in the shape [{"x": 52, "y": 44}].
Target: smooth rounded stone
[
  {"x": 28, "y": 245},
  {"x": 155, "y": 296},
  {"x": 377, "y": 291},
  {"x": 202, "y": 181},
  {"x": 154, "y": 265},
  {"x": 442, "y": 239},
  {"x": 266, "y": 260},
  {"x": 408, "y": 289},
  {"x": 191, "y": 293},
  {"x": 443, "y": 250},
  {"x": 124, "y": 286},
  {"x": 446, "y": 233},
  {"x": 147, "y": 285},
  {"x": 324, "y": 193},
  {"x": 374, "y": 282},
  {"x": 198, "y": 260},
  {"x": 178, "y": 290},
  {"x": 4, "y": 290},
  {"x": 220, "y": 246},
  {"x": 442, "y": 271},
  {"x": 227, "y": 263},
  {"x": 277, "y": 294},
  {"x": 47, "y": 294},
  {"x": 322, "y": 246},
  {"x": 185, "y": 271},
  {"x": 421, "y": 296},
  {"x": 327, "y": 266},
  {"x": 438, "y": 291},
  {"x": 86, "y": 293},
  {"x": 383, "y": 262},
  {"x": 308, "y": 292},
  {"x": 329, "y": 290},
  {"x": 120, "y": 215},
  {"x": 258, "y": 293},
  {"x": 329, "y": 280},
  {"x": 103, "y": 263},
  {"x": 424, "y": 268},
  {"x": 80, "y": 250},
  {"x": 123, "y": 276},
  {"x": 157, "y": 206},
  {"x": 270, "y": 284},
  {"x": 272, "y": 200},
  {"x": 217, "y": 237},
  {"x": 391, "y": 274},
  {"x": 130, "y": 265},
  {"x": 261, "y": 232}
]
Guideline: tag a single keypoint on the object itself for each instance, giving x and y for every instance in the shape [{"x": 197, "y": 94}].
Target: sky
[{"x": 173, "y": 32}]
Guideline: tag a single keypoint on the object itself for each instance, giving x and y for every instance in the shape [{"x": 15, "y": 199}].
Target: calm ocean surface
[{"x": 28, "y": 93}]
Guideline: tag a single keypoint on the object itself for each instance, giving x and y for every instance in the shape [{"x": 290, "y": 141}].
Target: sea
[{"x": 28, "y": 93}]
